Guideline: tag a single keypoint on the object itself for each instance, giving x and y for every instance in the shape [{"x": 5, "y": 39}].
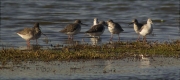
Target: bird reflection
[
  {"x": 95, "y": 40},
  {"x": 144, "y": 61},
  {"x": 71, "y": 41}
]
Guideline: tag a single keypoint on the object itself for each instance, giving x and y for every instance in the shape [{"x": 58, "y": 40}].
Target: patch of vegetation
[{"x": 115, "y": 50}]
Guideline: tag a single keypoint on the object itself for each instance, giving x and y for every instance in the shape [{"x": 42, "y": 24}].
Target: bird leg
[
  {"x": 36, "y": 42},
  {"x": 119, "y": 37},
  {"x": 138, "y": 38},
  {"x": 69, "y": 36},
  {"x": 144, "y": 39},
  {"x": 28, "y": 44},
  {"x": 111, "y": 37},
  {"x": 72, "y": 37}
]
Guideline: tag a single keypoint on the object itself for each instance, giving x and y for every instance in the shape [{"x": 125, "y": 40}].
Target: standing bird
[
  {"x": 137, "y": 27},
  {"x": 96, "y": 30},
  {"x": 114, "y": 28},
  {"x": 72, "y": 29},
  {"x": 30, "y": 34},
  {"x": 146, "y": 29},
  {"x": 95, "y": 22}
]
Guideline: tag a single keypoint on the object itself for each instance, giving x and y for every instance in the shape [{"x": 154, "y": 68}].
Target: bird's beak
[
  {"x": 130, "y": 23},
  {"x": 84, "y": 24}
]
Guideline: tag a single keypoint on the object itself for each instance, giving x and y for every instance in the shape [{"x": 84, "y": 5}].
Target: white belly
[
  {"x": 113, "y": 30},
  {"x": 146, "y": 31},
  {"x": 26, "y": 36}
]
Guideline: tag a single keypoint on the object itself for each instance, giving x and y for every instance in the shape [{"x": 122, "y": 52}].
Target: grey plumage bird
[
  {"x": 30, "y": 34},
  {"x": 72, "y": 29},
  {"x": 114, "y": 28},
  {"x": 97, "y": 30},
  {"x": 137, "y": 27},
  {"x": 146, "y": 29}
]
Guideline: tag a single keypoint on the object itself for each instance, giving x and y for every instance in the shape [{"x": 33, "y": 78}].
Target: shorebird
[
  {"x": 114, "y": 28},
  {"x": 72, "y": 29},
  {"x": 30, "y": 34},
  {"x": 96, "y": 30},
  {"x": 95, "y": 22},
  {"x": 146, "y": 29},
  {"x": 137, "y": 27}
]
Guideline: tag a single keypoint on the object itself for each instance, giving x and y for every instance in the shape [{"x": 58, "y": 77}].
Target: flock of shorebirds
[{"x": 95, "y": 31}]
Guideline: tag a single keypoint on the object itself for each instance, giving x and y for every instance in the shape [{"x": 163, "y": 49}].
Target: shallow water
[
  {"x": 129, "y": 68},
  {"x": 54, "y": 15}
]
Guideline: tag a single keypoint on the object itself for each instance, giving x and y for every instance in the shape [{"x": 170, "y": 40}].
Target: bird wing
[
  {"x": 96, "y": 28},
  {"x": 119, "y": 27},
  {"x": 140, "y": 25},
  {"x": 25, "y": 31},
  {"x": 70, "y": 27}
]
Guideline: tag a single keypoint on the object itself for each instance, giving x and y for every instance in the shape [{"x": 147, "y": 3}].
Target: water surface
[{"x": 54, "y": 15}]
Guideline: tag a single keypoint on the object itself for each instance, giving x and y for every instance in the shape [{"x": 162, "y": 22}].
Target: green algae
[{"x": 115, "y": 50}]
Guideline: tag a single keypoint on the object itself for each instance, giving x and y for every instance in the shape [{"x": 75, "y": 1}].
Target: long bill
[
  {"x": 130, "y": 23},
  {"x": 84, "y": 24}
]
